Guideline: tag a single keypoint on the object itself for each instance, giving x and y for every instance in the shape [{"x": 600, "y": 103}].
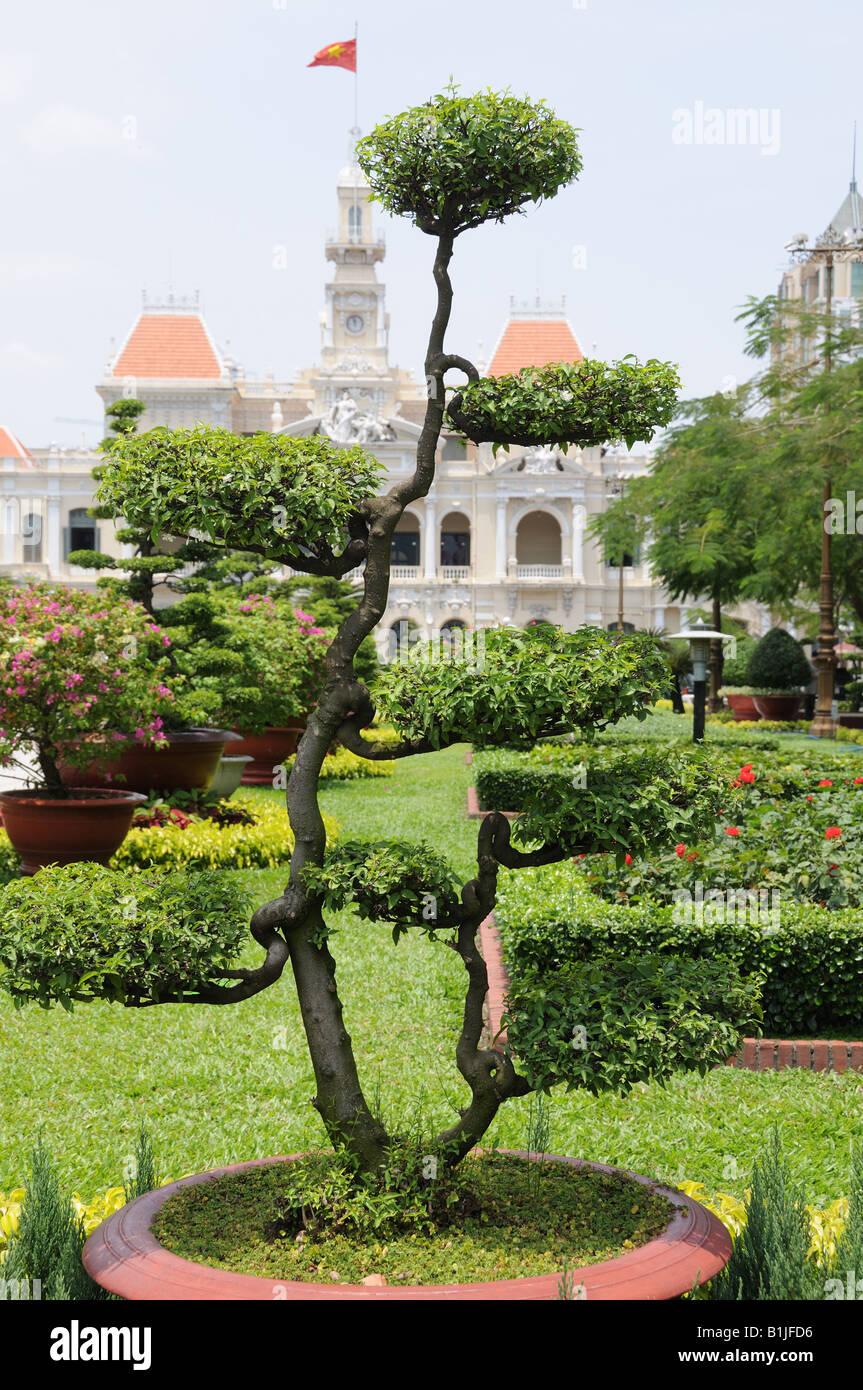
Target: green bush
[
  {"x": 769, "y": 1259},
  {"x": 45, "y": 1252},
  {"x": 522, "y": 686},
  {"x": 735, "y": 668},
  {"x": 82, "y": 931},
  {"x": 609, "y": 1022},
  {"x": 387, "y": 881},
  {"x": 810, "y": 960},
  {"x": 778, "y": 663}
]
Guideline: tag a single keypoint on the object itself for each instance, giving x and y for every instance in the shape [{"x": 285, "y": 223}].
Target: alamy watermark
[
  {"x": 726, "y": 906},
  {"x": 843, "y": 516},
  {"x": 455, "y": 646},
  {"x": 735, "y": 125}
]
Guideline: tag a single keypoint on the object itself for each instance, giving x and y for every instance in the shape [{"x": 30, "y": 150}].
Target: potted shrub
[
  {"x": 738, "y": 695},
  {"x": 69, "y": 670},
  {"x": 313, "y": 505},
  {"x": 777, "y": 669},
  {"x": 258, "y": 662}
]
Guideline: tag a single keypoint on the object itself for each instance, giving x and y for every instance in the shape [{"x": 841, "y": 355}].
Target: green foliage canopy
[
  {"x": 457, "y": 161},
  {"x": 269, "y": 493},
  {"x": 566, "y": 403}
]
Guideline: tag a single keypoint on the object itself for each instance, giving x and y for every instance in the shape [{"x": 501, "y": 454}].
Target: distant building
[{"x": 497, "y": 540}]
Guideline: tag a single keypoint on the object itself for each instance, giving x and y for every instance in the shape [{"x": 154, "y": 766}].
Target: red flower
[
  {"x": 680, "y": 850},
  {"x": 731, "y": 830},
  {"x": 628, "y": 859},
  {"x": 810, "y": 798},
  {"x": 746, "y": 774},
  {"x": 693, "y": 854},
  {"x": 825, "y": 782},
  {"x": 857, "y": 781},
  {"x": 832, "y": 832}
]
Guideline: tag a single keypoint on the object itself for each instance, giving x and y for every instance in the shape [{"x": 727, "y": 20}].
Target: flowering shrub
[
  {"x": 785, "y": 829},
  {"x": 73, "y": 664}
]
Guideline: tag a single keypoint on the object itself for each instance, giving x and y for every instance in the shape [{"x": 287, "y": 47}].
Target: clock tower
[{"x": 354, "y": 322}]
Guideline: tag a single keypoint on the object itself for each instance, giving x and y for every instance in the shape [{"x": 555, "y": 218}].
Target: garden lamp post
[{"x": 699, "y": 637}]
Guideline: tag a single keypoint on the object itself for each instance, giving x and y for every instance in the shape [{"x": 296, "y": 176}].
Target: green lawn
[{"x": 216, "y": 1085}]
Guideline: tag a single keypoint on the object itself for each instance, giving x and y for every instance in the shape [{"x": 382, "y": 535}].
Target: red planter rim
[
  {"x": 81, "y": 796},
  {"x": 123, "y": 1256}
]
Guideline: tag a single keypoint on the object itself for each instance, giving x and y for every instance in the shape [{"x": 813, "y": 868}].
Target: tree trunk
[{"x": 714, "y": 703}]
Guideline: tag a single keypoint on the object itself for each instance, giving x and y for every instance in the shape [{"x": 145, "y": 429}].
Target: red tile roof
[
  {"x": 169, "y": 345},
  {"x": 12, "y": 448},
  {"x": 534, "y": 343}
]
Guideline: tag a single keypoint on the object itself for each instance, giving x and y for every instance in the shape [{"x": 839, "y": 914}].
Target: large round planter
[
  {"x": 91, "y": 825},
  {"x": 123, "y": 1256},
  {"x": 778, "y": 706},
  {"x": 743, "y": 707},
  {"x": 851, "y": 721},
  {"x": 188, "y": 763},
  {"x": 229, "y": 775},
  {"x": 268, "y": 751}
]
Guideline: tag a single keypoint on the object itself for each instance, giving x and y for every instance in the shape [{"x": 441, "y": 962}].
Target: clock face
[{"x": 355, "y": 323}]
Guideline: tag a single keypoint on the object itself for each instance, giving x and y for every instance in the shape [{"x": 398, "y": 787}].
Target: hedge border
[
  {"x": 474, "y": 813},
  {"x": 758, "y": 1054}
]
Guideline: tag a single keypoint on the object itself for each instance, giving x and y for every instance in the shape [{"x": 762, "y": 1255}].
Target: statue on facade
[
  {"x": 546, "y": 459},
  {"x": 345, "y": 423}
]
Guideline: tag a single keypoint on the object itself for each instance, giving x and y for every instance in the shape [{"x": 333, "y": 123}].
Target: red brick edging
[
  {"x": 759, "y": 1054},
  {"x": 473, "y": 811}
]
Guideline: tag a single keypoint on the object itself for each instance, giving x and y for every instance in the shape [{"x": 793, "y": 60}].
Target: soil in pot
[
  {"x": 497, "y": 1217},
  {"x": 90, "y": 825}
]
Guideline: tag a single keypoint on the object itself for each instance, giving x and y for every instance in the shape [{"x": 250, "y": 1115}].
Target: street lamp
[
  {"x": 699, "y": 637},
  {"x": 831, "y": 249}
]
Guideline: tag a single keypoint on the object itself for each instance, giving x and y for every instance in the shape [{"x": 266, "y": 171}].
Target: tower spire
[{"x": 854, "y": 161}]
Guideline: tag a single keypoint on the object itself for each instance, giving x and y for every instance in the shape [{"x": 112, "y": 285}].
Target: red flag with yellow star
[{"x": 337, "y": 55}]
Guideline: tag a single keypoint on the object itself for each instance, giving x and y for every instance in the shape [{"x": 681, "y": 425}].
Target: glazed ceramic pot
[
  {"x": 188, "y": 763},
  {"x": 229, "y": 775},
  {"x": 267, "y": 751},
  {"x": 778, "y": 706},
  {"x": 89, "y": 825}
]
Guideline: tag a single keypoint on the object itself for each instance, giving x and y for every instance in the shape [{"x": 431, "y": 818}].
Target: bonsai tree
[
  {"x": 778, "y": 664},
  {"x": 73, "y": 664},
  {"x": 450, "y": 165}
]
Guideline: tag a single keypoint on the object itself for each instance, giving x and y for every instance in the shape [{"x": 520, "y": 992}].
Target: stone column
[
  {"x": 430, "y": 537},
  {"x": 53, "y": 550},
  {"x": 500, "y": 540},
  {"x": 578, "y": 520}
]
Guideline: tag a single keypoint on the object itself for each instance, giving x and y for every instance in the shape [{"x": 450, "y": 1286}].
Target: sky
[{"x": 186, "y": 144}]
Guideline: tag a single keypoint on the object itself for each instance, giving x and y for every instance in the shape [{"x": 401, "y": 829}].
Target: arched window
[
  {"x": 452, "y": 638},
  {"x": 627, "y": 627},
  {"x": 355, "y": 222},
  {"x": 81, "y": 533},
  {"x": 31, "y": 539},
  {"x": 455, "y": 540},
  {"x": 405, "y": 545},
  {"x": 399, "y": 645},
  {"x": 537, "y": 540}
]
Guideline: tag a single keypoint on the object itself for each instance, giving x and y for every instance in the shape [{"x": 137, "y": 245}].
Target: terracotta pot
[
  {"x": 123, "y": 1256},
  {"x": 743, "y": 706},
  {"x": 89, "y": 826},
  {"x": 188, "y": 764},
  {"x": 778, "y": 706},
  {"x": 228, "y": 776},
  {"x": 268, "y": 751}
]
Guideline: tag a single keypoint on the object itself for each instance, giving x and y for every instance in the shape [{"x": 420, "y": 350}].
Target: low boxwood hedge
[{"x": 811, "y": 960}]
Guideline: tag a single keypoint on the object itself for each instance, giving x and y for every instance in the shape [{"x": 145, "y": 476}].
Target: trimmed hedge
[{"x": 811, "y": 960}]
